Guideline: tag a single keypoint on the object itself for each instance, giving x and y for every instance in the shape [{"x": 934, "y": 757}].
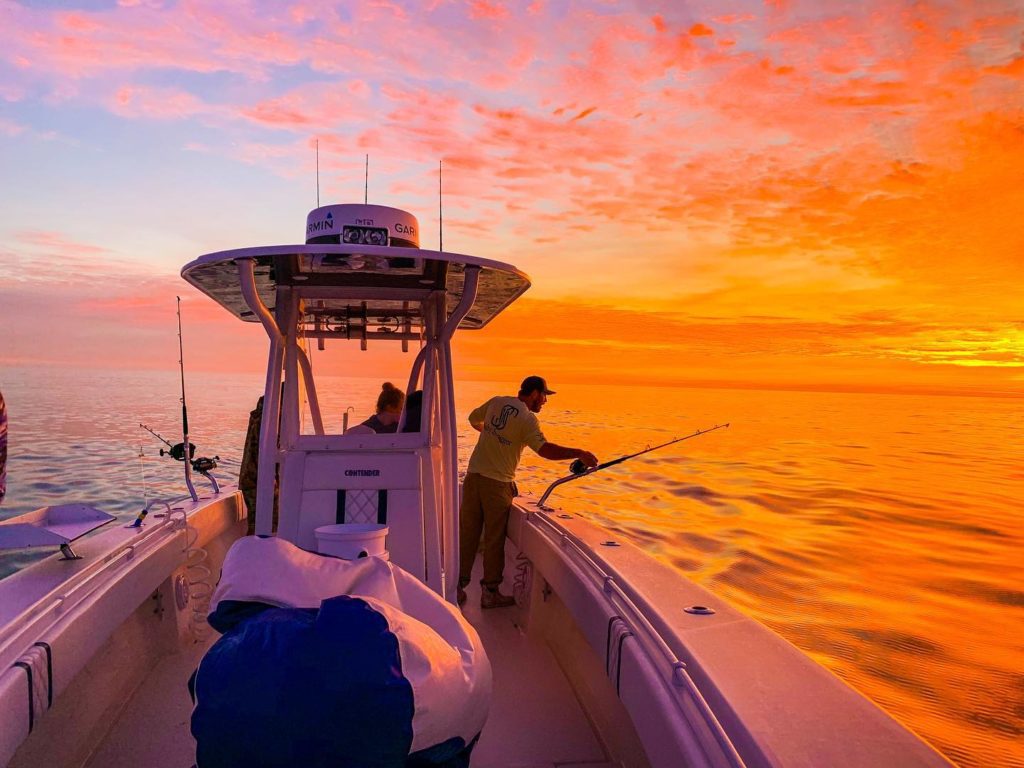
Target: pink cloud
[
  {"x": 734, "y": 18},
  {"x": 57, "y": 242},
  {"x": 135, "y": 101},
  {"x": 85, "y": 44},
  {"x": 142, "y": 319},
  {"x": 317, "y": 108},
  {"x": 279, "y": 113},
  {"x": 78, "y": 22},
  {"x": 10, "y": 127},
  {"x": 481, "y": 9},
  {"x": 358, "y": 88},
  {"x": 72, "y": 270},
  {"x": 11, "y": 93}
]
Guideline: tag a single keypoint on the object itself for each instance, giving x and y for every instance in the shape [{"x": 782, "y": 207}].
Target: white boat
[{"x": 609, "y": 657}]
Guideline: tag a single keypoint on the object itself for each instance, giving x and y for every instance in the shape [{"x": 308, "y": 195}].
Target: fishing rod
[
  {"x": 158, "y": 436},
  {"x": 203, "y": 464},
  {"x": 179, "y": 452},
  {"x": 184, "y": 414},
  {"x": 578, "y": 469}
]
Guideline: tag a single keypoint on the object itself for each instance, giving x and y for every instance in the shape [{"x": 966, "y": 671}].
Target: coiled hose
[
  {"x": 197, "y": 579},
  {"x": 521, "y": 581}
]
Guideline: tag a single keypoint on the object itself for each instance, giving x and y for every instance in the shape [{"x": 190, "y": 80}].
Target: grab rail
[
  {"x": 679, "y": 676},
  {"x": 76, "y": 589}
]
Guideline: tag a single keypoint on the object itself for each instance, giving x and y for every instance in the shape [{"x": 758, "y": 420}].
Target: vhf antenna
[
  {"x": 184, "y": 412},
  {"x": 440, "y": 211},
  {"x": 366, "y": 188},
  {"x": 318, "y": 173}
]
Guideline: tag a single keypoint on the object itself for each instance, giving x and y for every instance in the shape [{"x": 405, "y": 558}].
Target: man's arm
[
  {"x": 476, "y": 418},
  {"x": 560, "y": 453}
]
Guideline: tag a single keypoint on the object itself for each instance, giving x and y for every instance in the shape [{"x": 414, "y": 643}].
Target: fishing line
[{"x": 142, "y": 468}]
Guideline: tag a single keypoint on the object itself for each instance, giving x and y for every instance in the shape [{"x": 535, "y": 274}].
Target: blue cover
[{"x": 306, "y": 687}]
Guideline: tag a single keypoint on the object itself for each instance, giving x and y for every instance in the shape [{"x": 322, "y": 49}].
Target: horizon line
[{"x": 761, "y": 386}]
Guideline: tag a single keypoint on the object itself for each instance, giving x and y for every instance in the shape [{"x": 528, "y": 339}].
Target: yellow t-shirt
[{"x": 508, "y": 425}]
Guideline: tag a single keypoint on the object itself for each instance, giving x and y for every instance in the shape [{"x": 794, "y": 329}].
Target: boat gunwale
[
  {"x": 678, "y": 678},
  {"x": 741, "y": 719},
  {"x": 106, "y": 552}
]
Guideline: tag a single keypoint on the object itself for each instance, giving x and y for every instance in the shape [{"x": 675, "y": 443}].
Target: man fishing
[{"x": 506, "y": 425}]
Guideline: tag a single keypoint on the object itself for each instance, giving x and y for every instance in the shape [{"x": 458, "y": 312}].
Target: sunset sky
[{"x": 780, "y": 194}]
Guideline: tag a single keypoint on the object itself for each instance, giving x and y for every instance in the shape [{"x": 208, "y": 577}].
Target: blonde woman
[{"x": 389, "y": 411}]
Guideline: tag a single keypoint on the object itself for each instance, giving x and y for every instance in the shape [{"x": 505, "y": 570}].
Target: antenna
[
  {"x": 440, "y": 211},
  {"x": 366, "y": 189},
  {"x": 184, "y": 412},
  {"x": 318, "y": 173}
]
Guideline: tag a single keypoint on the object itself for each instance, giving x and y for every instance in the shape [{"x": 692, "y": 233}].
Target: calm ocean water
[{"x": 882, "y": 534}]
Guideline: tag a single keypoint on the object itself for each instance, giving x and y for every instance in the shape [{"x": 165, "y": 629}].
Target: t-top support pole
[
  {"x": 450, "y": 530},
  {"x": 266, "y": 475}
]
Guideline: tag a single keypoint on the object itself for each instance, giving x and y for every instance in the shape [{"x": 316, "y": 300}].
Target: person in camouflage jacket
[{"x": 249, "y": 470}]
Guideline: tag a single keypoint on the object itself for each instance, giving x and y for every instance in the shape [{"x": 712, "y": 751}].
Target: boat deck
[
  {"x": 535, "y": 717},
  {"x": 535, "y": 720}
]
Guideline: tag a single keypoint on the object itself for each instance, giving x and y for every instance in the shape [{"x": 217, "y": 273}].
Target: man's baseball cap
[{"x": 534, "y": 383}]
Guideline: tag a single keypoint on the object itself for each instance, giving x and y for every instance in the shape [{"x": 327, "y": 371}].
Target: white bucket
[{"x": 351, "y": 541}]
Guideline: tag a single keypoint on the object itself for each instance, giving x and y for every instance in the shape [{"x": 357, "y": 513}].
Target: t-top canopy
[{"x": 348, "y": 280}]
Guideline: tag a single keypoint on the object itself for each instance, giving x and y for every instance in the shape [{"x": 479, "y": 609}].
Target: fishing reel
[
  {"x": 578, "y": 467},
  {"x": 177, "y": 452},
  {"x": 204, "y": 464}
]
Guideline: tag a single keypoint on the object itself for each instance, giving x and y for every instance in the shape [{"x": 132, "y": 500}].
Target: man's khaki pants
[{"x": 485, "y": 506}]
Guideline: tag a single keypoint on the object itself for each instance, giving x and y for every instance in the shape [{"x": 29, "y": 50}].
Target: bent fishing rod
[{"x": 578, "y": 469}]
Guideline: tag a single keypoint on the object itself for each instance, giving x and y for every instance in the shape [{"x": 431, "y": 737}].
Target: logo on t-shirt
[{"x": 507, "y": 412}]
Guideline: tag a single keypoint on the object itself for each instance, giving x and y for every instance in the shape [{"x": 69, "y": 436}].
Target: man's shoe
[
  {"x": 492, "y": 598},
  {"x": 461, "y": 596}
]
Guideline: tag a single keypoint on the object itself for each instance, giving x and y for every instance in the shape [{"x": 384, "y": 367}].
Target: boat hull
[
  {"x": 621, "y": 673},
  {"x": 701, "y": 687},
  {"x": 107, "y": 624}
]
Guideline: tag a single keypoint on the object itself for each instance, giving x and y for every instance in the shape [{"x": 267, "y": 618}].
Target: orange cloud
[
  {"x": 680, "y": 349},
  {"x": 821, "y": 166}
]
